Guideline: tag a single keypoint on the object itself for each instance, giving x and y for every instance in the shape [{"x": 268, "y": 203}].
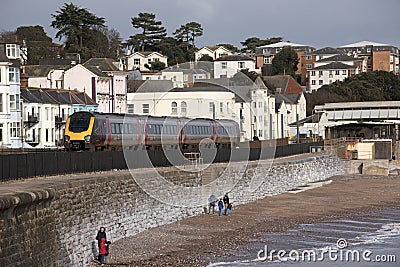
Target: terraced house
[{"x": 10, "y": 115}]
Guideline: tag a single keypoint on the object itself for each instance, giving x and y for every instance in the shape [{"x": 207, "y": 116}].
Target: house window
[
  {"x": 267, "y": 60},
  {"x": 212, "y": 107},
  {"x": 308, "y": 66},
  {"x": 12, "y": 102},
  {"x": 14, "y": 129},
  {"x": 344, "y": 72},
  {"x": 136, "y": 61},
  {"x": 260, "y": 118},
  {"x": 221, "y": 107},
  {"x": 1, "y": 132},
  {"x": 369, "y": 67},
  {"x": 265, "y": 51},
  {"x": 260, "y": 104},
  {"x": 12, "y": 51},
  {"x": 259, "y": 133},
  {"x": 241, "y": 65},
  {"x": 149, "y": 60},
  {"x": 337, "y": 72},
  {"x": 223, "y": 65},
  {"x": 174, "y": 107},
  {"x": 321, "y": 82},
  {"x": 47, "y": 135},
  {"x": 308, "y": 57},
  {"x": 145, "y": 108},
  {"x": 183, "y": 107},
  {"x": 313, "y": 73},
  {"x": 156, "y": 59},
  {"x": 131, "y": 108},
  {"x": 320, "y": 73},
  {"x": 13, "y": 74},
  {"x": 1, "y": 103},
  {"x": 255, "y": 119}
]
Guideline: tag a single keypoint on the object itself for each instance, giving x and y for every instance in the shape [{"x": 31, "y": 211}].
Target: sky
[{"x": 318, "y": 23}]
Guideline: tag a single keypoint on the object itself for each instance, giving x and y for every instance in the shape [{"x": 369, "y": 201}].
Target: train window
[
  {"x": 113, "y": 128},
  {"x": 174, "y": 129},
  {"x": 126, "y": 126},
  {"x": 117, "y": 128}
]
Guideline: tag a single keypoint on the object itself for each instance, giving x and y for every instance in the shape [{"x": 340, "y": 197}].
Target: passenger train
[{"x": 102, "y": 131}]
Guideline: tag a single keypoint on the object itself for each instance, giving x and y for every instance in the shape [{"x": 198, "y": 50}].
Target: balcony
[
  {"x": 31, "y": 121},
  {"x": 60, "y": 120}
]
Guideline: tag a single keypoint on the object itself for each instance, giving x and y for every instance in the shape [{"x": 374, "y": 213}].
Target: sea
[{"x": 372, "y": 239}]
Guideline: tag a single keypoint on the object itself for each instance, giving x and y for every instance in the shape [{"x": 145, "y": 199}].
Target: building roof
[
  {"x": 281, "y": 44},
  {"x": 104, "y": 64},
  {"x": 96, "y": 70},
  {"x": 185, "y": 71},
  {"x": 364, "y": 43},
  {"x": 360, "y": 105},
  {"x": 42, "y": 70},
  {"x": 340, "y": 57},
  {"x": 287, "y": 84},
  {"x": 290, "y": 99},
  {"x": 335, "y": 66},
  {"x": 3, "y": 57},
  {"x": 147, "y": 86},
  {"x": 326, "y": 51},
  {"x": 314, "y": 118},
  {"x": 56, "y": 96},
  {"x": 234, "y": 58}
]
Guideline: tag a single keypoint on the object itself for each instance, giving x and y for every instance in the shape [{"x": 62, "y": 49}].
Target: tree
[
  {"x": 370, "y": 86},
  {"x": 156, "y": 65},
  {"x": 75, "y": 24},
  {"x": 38, "y": 44},
  {"x": 152, "y": 31},
  {"x": 206, "y": 58},
  {"x": 253, "y": 42},
  {"x": 285, "y": 62},
  {"x": 171, "y": 48},
  {"x": 188, "y": 32}
]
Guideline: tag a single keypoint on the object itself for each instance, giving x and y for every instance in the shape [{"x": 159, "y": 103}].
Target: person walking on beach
[
  {"x": 226, "y": 202},
  {"x": 212, "y": 200},
  {"x": 102, "y": 243},
  {"x": 220, "y": 207}
]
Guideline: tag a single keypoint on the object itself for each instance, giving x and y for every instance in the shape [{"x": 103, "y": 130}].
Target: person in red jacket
[
  {"x": 103, "y": 250},
  {"x": 102, "y": 242}
]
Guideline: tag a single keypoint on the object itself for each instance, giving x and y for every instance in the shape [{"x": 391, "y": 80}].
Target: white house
[
  {"x": 102, "y": 81},
  {"x": 228, "y": 66},
  {"x": 10, "y": 113},
  {"x": 45, "y": 111},
  {"x": 329, "y": 73},
  {"x": 214, "y": 52},
  {"x": 138, "y": 60},
  {"x": 118, "y": 81}
]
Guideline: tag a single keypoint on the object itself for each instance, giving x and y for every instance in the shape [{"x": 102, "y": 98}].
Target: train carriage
[{"x": 97, "y": 131}]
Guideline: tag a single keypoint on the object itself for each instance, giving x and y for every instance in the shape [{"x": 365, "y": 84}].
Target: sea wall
[{"x": 56, "y": 224}]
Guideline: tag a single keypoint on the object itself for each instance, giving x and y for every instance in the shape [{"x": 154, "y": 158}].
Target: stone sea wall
[{"x": 56, "y": 225}]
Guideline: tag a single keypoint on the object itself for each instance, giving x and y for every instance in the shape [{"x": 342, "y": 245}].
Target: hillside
[{"x": 372, "y": 86}]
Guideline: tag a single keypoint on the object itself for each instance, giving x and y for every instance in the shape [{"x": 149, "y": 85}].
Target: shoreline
[{"x": 200, "y": 240}]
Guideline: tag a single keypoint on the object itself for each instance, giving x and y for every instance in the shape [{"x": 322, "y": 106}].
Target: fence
[{"x": 24, "y": 165}]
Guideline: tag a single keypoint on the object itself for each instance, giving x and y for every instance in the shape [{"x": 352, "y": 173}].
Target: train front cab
[{"x": 78, "y": 131}]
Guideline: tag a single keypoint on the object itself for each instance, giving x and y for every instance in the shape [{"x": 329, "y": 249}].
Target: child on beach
[
  {"x": 228, "y": 210},
  {"x": 220, "y": 207}
]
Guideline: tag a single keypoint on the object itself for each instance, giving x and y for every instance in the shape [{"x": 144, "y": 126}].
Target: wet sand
[{"x": 197, "y": 241}]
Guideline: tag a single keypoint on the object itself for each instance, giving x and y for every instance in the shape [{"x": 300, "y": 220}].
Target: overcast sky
[{"x": 318, "y": 23}]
